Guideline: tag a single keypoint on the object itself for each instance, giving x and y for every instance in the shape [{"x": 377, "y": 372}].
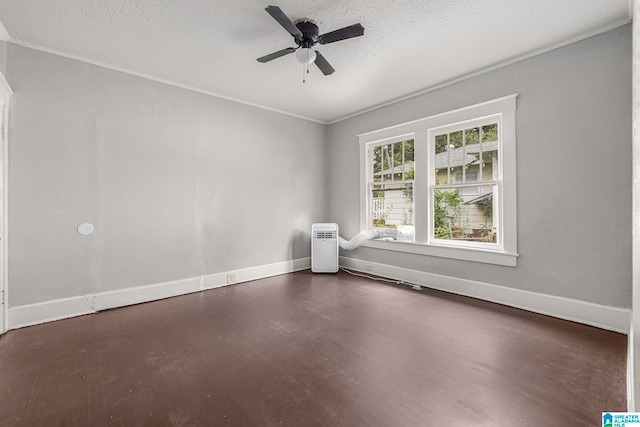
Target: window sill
[{"x": 464, "y": 254}]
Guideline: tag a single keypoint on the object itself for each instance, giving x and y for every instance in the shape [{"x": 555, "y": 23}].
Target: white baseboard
[
  {"x": 602, "y": 316},
  {"x": 139, "y": 294},
  {"x": 254, "y": 273},
  {"x": 605, "y": 317},
  {"x": 48, "y": 311}
]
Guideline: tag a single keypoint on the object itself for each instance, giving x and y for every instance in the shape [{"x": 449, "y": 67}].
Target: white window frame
[{"x": 504, "y": 253}]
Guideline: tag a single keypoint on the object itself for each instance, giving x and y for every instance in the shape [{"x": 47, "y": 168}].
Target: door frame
[{"x": 5, "y": 99}]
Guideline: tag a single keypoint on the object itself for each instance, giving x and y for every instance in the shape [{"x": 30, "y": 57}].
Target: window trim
[{"x": 419, "y": 130}]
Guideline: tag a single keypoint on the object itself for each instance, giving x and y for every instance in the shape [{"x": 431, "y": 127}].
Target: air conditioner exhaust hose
[{"x": 357, "y": 240}]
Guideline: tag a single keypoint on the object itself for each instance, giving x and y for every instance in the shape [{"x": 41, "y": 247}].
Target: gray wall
[
  {"x": 3, "y": 57},
  {"x": 181, "y": 184},
  {"x": 177, "y": 183},
  {"x": 574, "y": 170}
]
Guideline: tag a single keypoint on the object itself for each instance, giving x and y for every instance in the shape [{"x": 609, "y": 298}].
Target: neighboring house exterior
[{"x": 393, "y": 205}]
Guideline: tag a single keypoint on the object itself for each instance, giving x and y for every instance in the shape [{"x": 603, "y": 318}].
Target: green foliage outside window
[{"x": 446, "y": 214}]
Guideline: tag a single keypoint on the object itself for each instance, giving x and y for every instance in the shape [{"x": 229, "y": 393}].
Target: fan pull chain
[{"x": 305, "y": 67}]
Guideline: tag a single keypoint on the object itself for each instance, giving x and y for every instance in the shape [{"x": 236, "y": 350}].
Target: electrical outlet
[
  {"x": 231, "y": 279},
  {"x": 369, "y": 267}
]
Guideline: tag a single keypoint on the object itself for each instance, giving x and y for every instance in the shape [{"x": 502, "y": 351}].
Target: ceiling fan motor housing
[{"x": 310, "y": 33}]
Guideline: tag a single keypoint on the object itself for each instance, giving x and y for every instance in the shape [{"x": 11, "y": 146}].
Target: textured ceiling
[{"x": 212, "y": 45}]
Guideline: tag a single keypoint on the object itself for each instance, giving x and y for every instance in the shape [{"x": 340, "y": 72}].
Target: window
[
  {"x": 444, "y": 185},
  {"x": 390, "y": 184},
  {"x": 462, "y": 212}
]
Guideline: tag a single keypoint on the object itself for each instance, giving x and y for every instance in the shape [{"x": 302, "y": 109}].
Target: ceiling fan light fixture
[
  {"x": 306, "y": 35},
  {"x": 305, "y": 56}
]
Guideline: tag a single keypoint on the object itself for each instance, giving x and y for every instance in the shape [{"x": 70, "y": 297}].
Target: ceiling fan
[{"x": 306, "y": 34}]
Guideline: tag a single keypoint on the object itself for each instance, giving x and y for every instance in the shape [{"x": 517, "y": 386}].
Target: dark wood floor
[{"x": 305, "y": 349}]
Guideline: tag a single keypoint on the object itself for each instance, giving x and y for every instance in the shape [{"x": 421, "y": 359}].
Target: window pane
[
  {"x": 489, "y": 160},
  {"x": 490, "y": 164},
  {"x": 490, "y": 132},
  {"x": 387, "y": 161},
  {"x": 397, "y": 154},
  {"x": 408, "y": 151},
  {"x": 442, "y": 158},
  {"x": 377, "y": 159},
  {"x": 489, "y": 148},
  {"x": 409, "y": 173},
  {"x": 472, "y": 174},
  {"x": 377, "y": 206},
  {"x": 472, "y": 136},
  {"x": 441, "y": 143},
  {"x": 392, "y": 205},
  {"x": 465, "y": 216},
  {"x": 455, "y": 139}
]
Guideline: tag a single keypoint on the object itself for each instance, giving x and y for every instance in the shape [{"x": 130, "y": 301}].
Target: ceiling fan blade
[
  {"x": 354, "y": 30},
  {"x": 277, "y": 54},
  {"x": 322, "y": 63},
  {"x": 284, "y": 20}
]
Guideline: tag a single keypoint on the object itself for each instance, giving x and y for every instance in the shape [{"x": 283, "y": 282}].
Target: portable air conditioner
[{"x": 324, "y": 248}]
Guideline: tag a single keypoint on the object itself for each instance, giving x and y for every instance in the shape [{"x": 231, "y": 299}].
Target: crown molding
[{"x": 79, "y": 58}]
